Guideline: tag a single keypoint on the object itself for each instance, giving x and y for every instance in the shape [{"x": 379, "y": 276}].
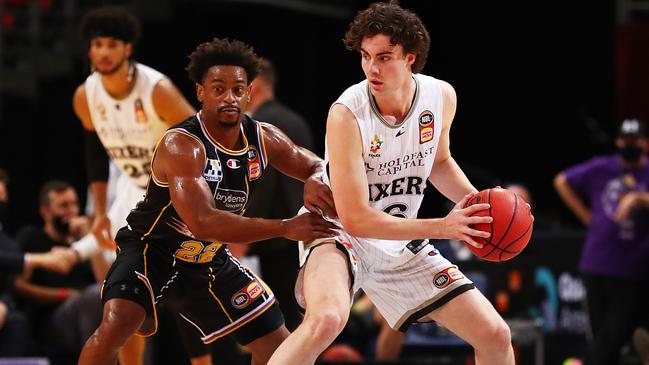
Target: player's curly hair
[
  {"x": 402, "y": 26},
  {"x": 222, "y": 52},
  {"x": 110, "y": 21}
]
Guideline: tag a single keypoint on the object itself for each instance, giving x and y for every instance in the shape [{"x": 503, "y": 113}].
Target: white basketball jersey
[
  {"x": 129, "y": 128},
  {"x": 398, "y": 158}
]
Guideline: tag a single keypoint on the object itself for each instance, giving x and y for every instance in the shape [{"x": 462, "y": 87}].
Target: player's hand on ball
[
  {"x": 308, "y": 226},
  {"x": 457, "y": 223}
]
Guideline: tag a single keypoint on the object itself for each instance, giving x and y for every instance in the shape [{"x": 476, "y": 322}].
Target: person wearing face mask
[
  {"x": 12, "y": 260},
  {"x": 610, "y": 196},
  {"x": 64, "y": 308}
]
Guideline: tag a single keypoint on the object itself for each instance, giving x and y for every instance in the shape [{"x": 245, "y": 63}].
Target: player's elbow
[{"x": 354, "y": 224}]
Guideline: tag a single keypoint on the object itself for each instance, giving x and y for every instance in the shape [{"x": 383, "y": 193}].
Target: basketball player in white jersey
[
  {"x": 385, "y": 136},
  {"x": 125, "y": 107}
]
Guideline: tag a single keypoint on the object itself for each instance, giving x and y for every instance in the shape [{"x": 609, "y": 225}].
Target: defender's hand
[
  {"x": 457, "y": 224},
  {"x": 318, "y": 198},
  {"x": 308, "y": 226}
]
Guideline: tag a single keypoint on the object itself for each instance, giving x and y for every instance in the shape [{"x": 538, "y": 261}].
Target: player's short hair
[
  {"x": 222, "y": 52},
  {"x": 402, "y": 26},
  {"x": 267, "y": 72},
  {"x": 57, "y": 186},
  {"x": 110, "y": 21}
]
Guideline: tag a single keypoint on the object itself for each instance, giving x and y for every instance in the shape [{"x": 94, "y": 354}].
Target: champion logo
[{"x": 233, "y": 163}]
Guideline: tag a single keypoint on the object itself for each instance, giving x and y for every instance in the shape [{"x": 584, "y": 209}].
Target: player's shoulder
[
  {"x": 149, "y": 72},
  {"x": 359, "y": 88},
  {"x": 80, "y": 93},
  {"x": 185, "y": 132},
  {"x": 445, "y": 87},
  {"x": 189, "y": 124}
]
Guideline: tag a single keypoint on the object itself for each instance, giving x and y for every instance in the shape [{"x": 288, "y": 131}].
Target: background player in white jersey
[
  {"x": 125, "y": 107},
  {"x": 390, "y": 133}
]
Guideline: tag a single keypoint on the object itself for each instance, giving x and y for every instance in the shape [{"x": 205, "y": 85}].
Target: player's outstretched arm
[
  {"x": 180, "y": 160},
  {"x": 302, "y": 164},
  {"x": 351, "y": 194}
]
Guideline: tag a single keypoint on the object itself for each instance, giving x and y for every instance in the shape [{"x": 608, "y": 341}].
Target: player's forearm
[
  {"x": 372, "y": 223},
  {"x": 98, "y": 190},
  {"x": 237, "y": 229},
  {"x": 449, "y": 179}
]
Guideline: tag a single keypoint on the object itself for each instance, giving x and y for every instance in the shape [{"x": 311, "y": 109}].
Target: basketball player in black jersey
[{"x": 174, "y": 250}]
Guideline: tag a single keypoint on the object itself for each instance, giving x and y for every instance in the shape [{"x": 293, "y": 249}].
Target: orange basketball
[
  {"x": 341, "y": 352},
  {"x": 511, "y": 228}
]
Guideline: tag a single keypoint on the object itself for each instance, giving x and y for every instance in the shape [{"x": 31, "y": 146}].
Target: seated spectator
[
  {"x": 12, "y": 260},
  {"x": 14, "y": 328},
  {"x": 65, "y": 308}
]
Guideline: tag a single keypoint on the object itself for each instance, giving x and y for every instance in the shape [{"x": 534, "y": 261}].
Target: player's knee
[
  {"x": 327, "y": 324},
  {"x": 120, "y": 322},
  {"x": 497, "y": 336}
]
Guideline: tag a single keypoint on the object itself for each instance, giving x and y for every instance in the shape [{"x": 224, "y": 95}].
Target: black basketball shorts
[{"x": 217, "y": 298}]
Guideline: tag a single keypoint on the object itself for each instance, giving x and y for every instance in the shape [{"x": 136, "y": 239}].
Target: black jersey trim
[
  {"x": 146, "y": 282},
  {"x": 153, "y": 226},
  {"x": 262, "y": 143}
]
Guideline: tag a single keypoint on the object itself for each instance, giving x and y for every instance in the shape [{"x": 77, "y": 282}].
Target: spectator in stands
[
  {"x": 65, "y": 309},
  {"x": 610, "y": 195},
  {"x": 12, "y": 260},
  {"x": 14, "y": 327}
]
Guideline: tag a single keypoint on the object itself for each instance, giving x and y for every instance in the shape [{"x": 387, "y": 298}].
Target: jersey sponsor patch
[
  {"x": 245, "y": 296},
  {"x": 254, "y": 289},
  {"x": 253, "y": 164},
  {"x": 375, "y": 146},
  {"x": 233, "y": 163},
  {"x": 230, "y": 200},
  {"x": 416, "y": 245},
  {"x": 426, "y": 126},
  {"x": 140, "y": 115},
  {"x": 101, "y": 109},
  {"x": 213, "y": 171},
  {"x": 240, "y": 300},
  {"x": 447, "y": 276}
]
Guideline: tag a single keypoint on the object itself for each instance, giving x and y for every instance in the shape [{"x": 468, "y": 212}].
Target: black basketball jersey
[{"x": 231, "y": 175}]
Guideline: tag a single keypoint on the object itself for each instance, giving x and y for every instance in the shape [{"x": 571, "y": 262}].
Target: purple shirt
[{"x": 619, "y": 249}]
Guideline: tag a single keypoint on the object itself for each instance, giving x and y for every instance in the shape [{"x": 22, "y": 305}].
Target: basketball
[
  {"x": 511, "y": 228},
  {"x": 341, "y": 353}
]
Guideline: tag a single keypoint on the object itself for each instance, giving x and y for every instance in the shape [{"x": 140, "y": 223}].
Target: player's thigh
[
  {"x": 470, "y": 316},
  {"x": 326, "y": 281}
]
